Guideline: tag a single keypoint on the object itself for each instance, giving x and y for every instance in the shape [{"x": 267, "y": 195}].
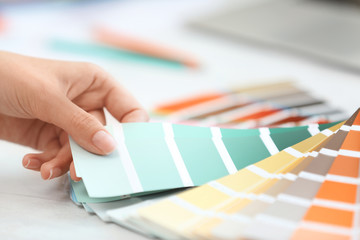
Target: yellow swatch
[
  {"x": 242, "y": 181},
  {"x": 204, "y": 197}
]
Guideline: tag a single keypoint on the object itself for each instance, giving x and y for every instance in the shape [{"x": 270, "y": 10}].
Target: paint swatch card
[{"x": 160, "y": 156}]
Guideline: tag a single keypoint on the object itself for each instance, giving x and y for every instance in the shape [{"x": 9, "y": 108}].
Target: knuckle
[
  {"x": 90, "y": 66},
  {"x": 82, "y": 121},
  {"x": 99, "y": 75},
  {"x": 93, "y": 68}
]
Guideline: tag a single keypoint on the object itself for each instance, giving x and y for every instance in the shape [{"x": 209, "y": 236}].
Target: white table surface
[{"x": 30, "y": 207}]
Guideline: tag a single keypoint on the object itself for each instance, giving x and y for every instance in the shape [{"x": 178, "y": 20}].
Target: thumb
[{"x": 83, "y": 127}]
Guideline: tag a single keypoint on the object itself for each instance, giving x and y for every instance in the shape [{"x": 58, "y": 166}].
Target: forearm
[{"x": 2, "y": 126}]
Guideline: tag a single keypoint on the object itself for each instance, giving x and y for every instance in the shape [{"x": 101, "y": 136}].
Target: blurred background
[{"x": 219, "y": 42}]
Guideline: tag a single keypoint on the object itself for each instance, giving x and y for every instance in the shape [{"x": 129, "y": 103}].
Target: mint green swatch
[
  {"x": 153, "y": 163},
  {"x": 230, "y": 133},
  {"x": 79, "y": 189},
  {"x": 82, "y": 195},
  {"x": 143, "y": 130},
  {"x": 201, "y": 159},
  {"x": 284, "y": 140},
  {"x": 327, "y": 125},
  {"x": 246, "y": 150},
  {"x": 184, "y": 131}
]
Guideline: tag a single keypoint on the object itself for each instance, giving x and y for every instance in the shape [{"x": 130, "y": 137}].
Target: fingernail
[
  {"x": 104, "y": 141},
  {"x": 54, "y": 172},
  {"x": 33, "y": 163}
]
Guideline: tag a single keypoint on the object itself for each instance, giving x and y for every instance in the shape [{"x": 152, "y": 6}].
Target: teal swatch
[
  {"x": 246, "y": 150},
  {"x": 327, "y": 125},
  {"x": 284, "y": 140},
  {"x": 153, "y": 163},
  {"x": 231, "y": 133},
  {"x": 202, "y": 159},
  {"x": 285, "y": 130},
  {"x": 181, "y": 131},
  {"x": 81, "y": 195}
]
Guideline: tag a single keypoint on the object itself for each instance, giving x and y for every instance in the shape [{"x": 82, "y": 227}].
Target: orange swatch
[
  {"x": 257, "y": 115},
  {"x": 330, "y": 216},
  {"x": 335, "y": 191},
  {"x": 179, "y": 105},
  {"x": 357, "y": 120},
  {"x": 352, "y": 141},
  {"x": 289, "y": 119},
  {"x": 345, "y": 166}
]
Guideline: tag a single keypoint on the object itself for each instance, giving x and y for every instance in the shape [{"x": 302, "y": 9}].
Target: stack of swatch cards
[
  {"x": 271, "y": 105},
  {"x": 265, "y": 182}
]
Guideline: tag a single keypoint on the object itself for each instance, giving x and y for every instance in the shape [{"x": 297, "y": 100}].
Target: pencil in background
[{"x": 144, "y": 47}]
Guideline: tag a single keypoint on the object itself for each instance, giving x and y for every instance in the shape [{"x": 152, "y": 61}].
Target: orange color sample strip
[
  {"x": 177, "y": 106},
  {"x": 357, "y": 121},
  {"x": 352, "y": 141},
  {"x": 331, "y": 216},
  {"x": 289, "y": 120},
  {"x": 336, "y": 191},
  {"x": 345, "y": 166},
  {"x": 257, "y": 115}
]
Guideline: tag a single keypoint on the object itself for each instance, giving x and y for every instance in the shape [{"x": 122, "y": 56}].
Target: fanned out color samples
[
  {"x": 306, "y": 188},
  {"x": 199, "y": 208},
  {"x": 298, "y": 193},
  {"x": 268, "y": 105},
  {"x": 161, "y": 156}
]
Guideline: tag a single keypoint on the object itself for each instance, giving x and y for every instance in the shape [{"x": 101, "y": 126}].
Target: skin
[{"x": 43, "y": 101}]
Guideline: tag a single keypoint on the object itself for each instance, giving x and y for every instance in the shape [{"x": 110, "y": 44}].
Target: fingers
[
  {"x": 52, "y": 163},
  {"x": 56, "y": 158},
  {"x": 123, "y": 106},
  {"x": 56, "y": 108},
  {"x": 57, "y": 166},
  {"x": 33, "y": 161},
  {"x": 104, "y": 91},
  {"x": 99, "y": 115},
  {"x": 83, "y": 127}
]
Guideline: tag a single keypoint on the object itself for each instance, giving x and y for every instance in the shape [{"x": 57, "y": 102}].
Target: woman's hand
[{"x": 42, "y": 101}]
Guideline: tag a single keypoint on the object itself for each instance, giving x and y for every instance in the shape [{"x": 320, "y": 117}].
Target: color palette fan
[
  {"x": 267, "y": 177},
  {"x": 96, "y": 191},
  {"x": 307, "y": 191}
]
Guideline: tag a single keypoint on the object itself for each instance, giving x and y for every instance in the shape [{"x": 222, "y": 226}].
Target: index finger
[{"x": 123, "y": 105}]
